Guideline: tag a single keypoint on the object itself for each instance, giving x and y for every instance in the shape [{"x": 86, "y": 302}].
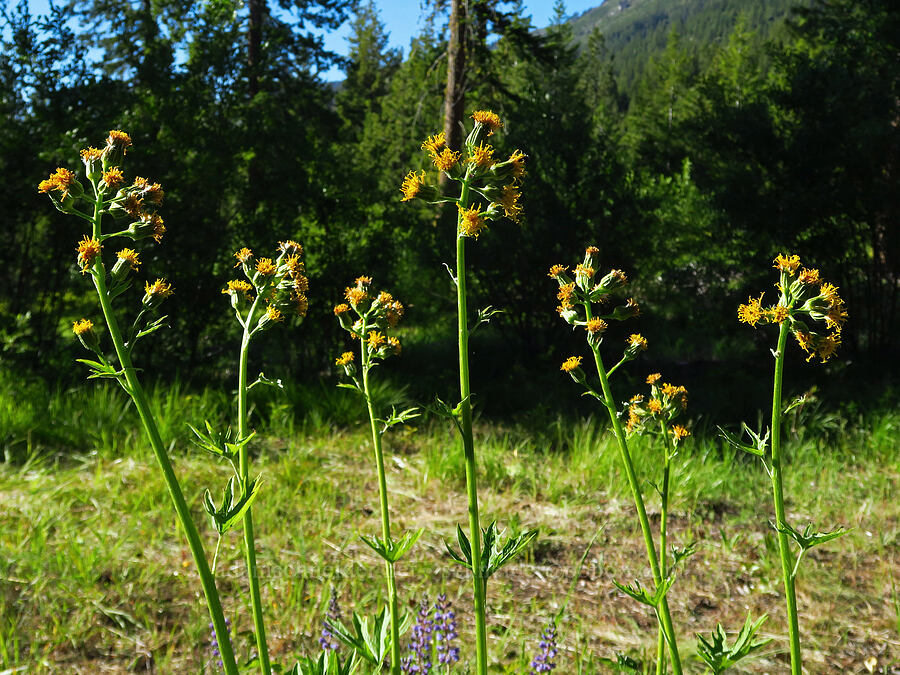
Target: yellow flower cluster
[
  {"x": 803, "y": 297},
  {"x": 281, "y": 283},
  {"x": 376, "y": 315},
  {"x": 666, "y": 401},
  {"x": 492, "y": 185}
]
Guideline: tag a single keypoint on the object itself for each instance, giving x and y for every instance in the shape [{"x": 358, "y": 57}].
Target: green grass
[{"x": 94, "y": 576}]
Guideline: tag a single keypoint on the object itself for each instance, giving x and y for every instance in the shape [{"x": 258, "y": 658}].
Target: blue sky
[{"x": 403, "y": 20}]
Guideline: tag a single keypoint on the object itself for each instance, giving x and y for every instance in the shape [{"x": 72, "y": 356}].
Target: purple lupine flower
[
  {"x": 445, "y": 631},
  {"x": 419, "y": 659},
  {"x": 326, "y": 640},
  {"x": 543, "y": 662},
  {"x": 214, "y": 641}
]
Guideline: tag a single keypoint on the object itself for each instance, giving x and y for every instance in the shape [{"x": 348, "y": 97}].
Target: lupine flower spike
[{"x": 544, "y": 660}]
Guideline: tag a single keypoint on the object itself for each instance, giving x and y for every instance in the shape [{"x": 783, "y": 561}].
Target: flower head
[
  {"x": 596, "y": 326},
  {"x": 471, "y": 222},
  {"x": 88, "y": 251},
  {"x": 130, "y": 256},
  {"x": 434, "y": 144},
  {"x": 679, "y": 433},
  {"x": 243, "y": 255},
  {"x": 543, "y": 662},
  {"x": 556, "y": 270},
  {"x": 571, "y": 364},
  {"x": 482, "y": 156},
  {"x": 653, "y": 378},
  {"x": 488, "y": 119},
  {"x": 787, "y": 264},
  {"x": 266, "y": 267},
  {"x": 808, "y": 276},
  {"x": 118, "y": 139},
  {"x": 82, "y": 326},
  {"x": 517, "y": 159},
  {"x": 637, "y": 341},
  {"x": 60, "y": 180},
  {"x": 341, "y": 309},
  {"x": 376, "y": 340},
  {"x": 509, "y": 200},
  {"x": 113, "y": 178},
  {"x": 445, "y": 160},
  {"x": 238, "y": 286},
  {"x": 412, "y": 185},
  {"x": 752, "y": 313}
]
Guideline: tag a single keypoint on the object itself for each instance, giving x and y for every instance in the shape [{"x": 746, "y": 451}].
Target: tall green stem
[
  {"x": 663, "y": 565},
  {"x": 665, "y": 618},
  {"x": 385, "y": 515},
  {"x": 469, "y": 448},
  {"x": 207, "y": 580},
  {"x": 784, "y": 550},
  {"x": 244, "y": 470}
]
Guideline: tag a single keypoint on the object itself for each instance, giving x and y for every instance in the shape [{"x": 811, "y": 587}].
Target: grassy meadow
[{"x": 96, "y": 578}]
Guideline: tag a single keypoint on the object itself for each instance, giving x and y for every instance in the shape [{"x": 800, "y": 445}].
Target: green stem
[
  {"x": 663, "y": 565},
  {"x": 385, "y": 515},
  {"x": 136, "y": 391},
  {"x": 244, "y": 469},
  {"x": 778, "y": 493},
  {"x": 665, "y": 617},
  {"x": 481, "y": 656}
]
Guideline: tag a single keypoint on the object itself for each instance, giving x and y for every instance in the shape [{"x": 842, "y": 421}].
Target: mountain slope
[{"x": 637, "y": 30}]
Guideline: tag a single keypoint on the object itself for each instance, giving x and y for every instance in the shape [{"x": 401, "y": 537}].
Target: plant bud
[
  {"x": 592, "y": 257},
  {"x": 156, "y": 293},
  {"x": 612, "y": 281},
  {"x": 84, "y": 330}
]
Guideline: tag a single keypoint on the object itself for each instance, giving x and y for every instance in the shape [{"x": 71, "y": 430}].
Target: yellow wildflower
[
  {"x": 556, "y": 270},
  {"x": 653, "y": 378},
  {"x": 355, "y": 295},
  {"x": 395, "y": 344},
  {"x": 778, "y": 314},
  {"x": 637, "y": 341},
  {"x": 836, "y": 316},
  {"x": 113, "y": 178},
  {"x": 571, "y": 364},
  {"x": 680, "y": 433},
  {"x": 243, "y": 255},
  {"x": 471, "y": 222},
  {"x": 826, "y": 346},
  {"x": 376, "y": 340},
  {"x": 482, "y": 156},
  {"x": 82, "y": 326},
  {"x": 90, "y": 154},
  {"x": 445, "y": 160},
  {"x": 130, "y": 256},
  {"x": 238, "y": 286},
  {"x": 159, "y": 229},
  {"x": 752, "y": 312},
  {"x": 488, "y": 119},
  {"x": 119, "y": 139},
  {"x": 565, "y": 294},
  {"x": 583, "y": 270},
  {"x": 433, "y": 144},
  {"x": 654, "y": 406},
  {"x": 344, "y": 359},
  {"x": 807, "y": 276},
  {"x": 274, "y": 313},
  {"x": 266, "y": 267},
  {"x": 342, "y": 308},
  {"x": 805, "y": 340},
  {"x": 518, "y": 164},
  {"x": 59, "y": 180},
  {"x": 787, "y": 264},
  {"x": 595, "y": 326},
  {"x": 829, "y": 292},
  {"x": 509, "y": 200},
  {"x": 159, "y": 288},
  {"x": 88, "y": 250},
  {"x": 412, "y": 185}
]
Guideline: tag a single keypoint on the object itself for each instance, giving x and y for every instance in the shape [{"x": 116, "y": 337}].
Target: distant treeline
[{"x": 690, "y": 179}]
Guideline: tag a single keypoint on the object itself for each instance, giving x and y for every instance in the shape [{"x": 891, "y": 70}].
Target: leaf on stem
[
  {"x": 227, "y": 516},
  {"x": 398, "y": 418},
  {"x": 497, "y": 550},
  {"x": 644, "y": 596},
  {"x": 220, "y": 444},
  {"x": 484, "y": 316},
  {"x": 759, "y": 445},
  {"x": 262, "y": 379},
  {"x": 807, "y": 539},
  {"x": 392, "y": 550},
  {"x": 719, "y": 656},
  {"x": 369, "y": 637}
]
